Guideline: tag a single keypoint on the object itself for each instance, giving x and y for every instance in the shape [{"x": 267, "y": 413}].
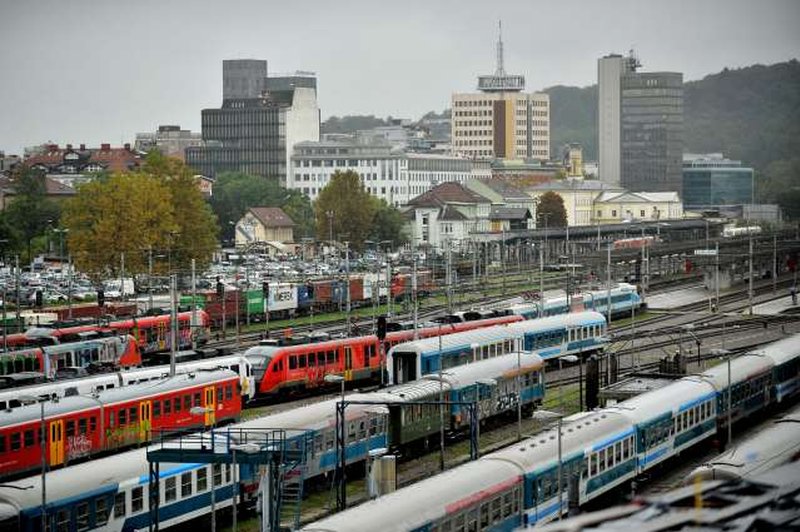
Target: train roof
[
  {"x": 675, "y": 397},
  {"x": 579, "y": 434},
  {"x": 781, "y": 351},
  {"x": 743, "y": 367},
  {"x": 497, "y": 332},
  {"x": 429, "y": 499},
  {"x": 95, "y": 476},
  {"x": 78, "y": 403},
  {"x": 499, "y": 366}
]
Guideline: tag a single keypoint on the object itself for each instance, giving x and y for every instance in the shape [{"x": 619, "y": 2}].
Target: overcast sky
[{"x": 83, "y": 71}]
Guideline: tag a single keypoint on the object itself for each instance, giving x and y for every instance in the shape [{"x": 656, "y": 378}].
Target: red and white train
[
  {"x": 152, "y": 333},
  {"x": 119, "y": 351},
  {"x": 79, "y": 427},
  {"x": 280, "y": 370}
]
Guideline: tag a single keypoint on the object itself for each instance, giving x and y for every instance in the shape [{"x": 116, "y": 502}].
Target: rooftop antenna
[{"x": 501, "y": 71}]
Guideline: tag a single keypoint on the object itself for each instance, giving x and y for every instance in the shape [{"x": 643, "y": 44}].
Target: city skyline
[{"x": 88, "y": 72}]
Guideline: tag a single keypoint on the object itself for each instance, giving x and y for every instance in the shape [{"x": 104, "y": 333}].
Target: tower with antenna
[{"x": 500, "y": 81}]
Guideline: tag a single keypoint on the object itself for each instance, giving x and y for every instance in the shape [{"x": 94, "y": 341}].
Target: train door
[
  {"x": 348, "y": 362},
  {"x": 145, "y": 420},
  {"x": 161, "y": 328},
  {"x": 56, "y": 436},
  {"x": 211, "y": 405},
  {"x": 404, "y": 367}
]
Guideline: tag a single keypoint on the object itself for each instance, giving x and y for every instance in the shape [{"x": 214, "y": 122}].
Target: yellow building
[
  {"x": 619, "y": 206},
  {"x": 269, "y": 225}
]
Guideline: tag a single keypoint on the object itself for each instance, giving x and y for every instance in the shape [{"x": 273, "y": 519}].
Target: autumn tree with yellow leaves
[{"x": 155, "y": 212}]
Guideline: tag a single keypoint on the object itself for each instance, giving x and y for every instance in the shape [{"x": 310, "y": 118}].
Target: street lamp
[
  {"x": 547, "y": 414},
  {"x": 202, "y": 411},
  {"x": 247, "y": 448},
  {"x": 569, "y": 359},
  {"x": 728, "y": 355},
  {"x": 32, "y": 399}
]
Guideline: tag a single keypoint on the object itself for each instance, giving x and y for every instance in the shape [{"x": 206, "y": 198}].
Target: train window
[
  {"x": 320, "y": 359},
  {"x": 29, "y": 440},
  {"x": 228, "y": 470},
  {"x": 100, "y": 511},
  {"x": 82, "y": 425},
  {"x": 177, "y": 403},
  {"x": 312, "y": 360},
  {"x": 168, "y": 406},
  {"x": 351, "y": 431},
  {"x": 484, "y": 516},
  {"x": 70, "y": 428},
  {"x": 156, "y": 408},
  {"x": 92, "y": 424},
  {"x": 132, "y": 415},
  {"x": 602, "y": 460},
  {"x": 292, "y": 362},
  {"x": 2, "y": 443},
  {"x": 220, "y": 394},
  {"x": 228, "y": 392},
  {"x": 82, "y": 516},
  {"x": 170, "y": 489},
  {"x": 301, "y": 361},
  {"x": 123, "y": 417},
  {"x": 119, "y": 505},
  {"x": 197, "y": 399},
  {"x": 62, "y": 520},
  {"x": 275, "y": 367},
  {"x": 202, "y": 479},
  {"x": 186, "y": 484},
  {"x": 137, "y": 500},
  {"x": 617, "y": 452},
  {"x": 111, "y": 420},
  {"x": 217, "y": 474},
  {"x": 362, "y": 430}
]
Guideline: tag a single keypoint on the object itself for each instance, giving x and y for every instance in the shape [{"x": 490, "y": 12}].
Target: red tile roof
[{"x": 450, "y": 192}]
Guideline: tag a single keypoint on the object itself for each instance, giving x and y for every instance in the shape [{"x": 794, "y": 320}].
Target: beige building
[
  {"x": 268, "y": 225},
  {"x": 594, "y": 202},
  {"x": 618, "y": 206},
  {"x": 495, "y": 125},
  {"x": 497, "y": 121}
]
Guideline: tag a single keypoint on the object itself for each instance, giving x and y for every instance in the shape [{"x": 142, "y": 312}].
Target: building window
[{"x": 613, "y": 212}]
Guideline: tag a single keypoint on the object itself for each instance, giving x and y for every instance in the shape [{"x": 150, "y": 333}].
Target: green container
[
  {"x": 186, "y": 301},
  {"x": 255, "y": 302}
]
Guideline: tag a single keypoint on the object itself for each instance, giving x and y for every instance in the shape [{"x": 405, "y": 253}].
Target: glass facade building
[
  {"x": 716, "y": 182},
  {"x": 651, "y": 131}
]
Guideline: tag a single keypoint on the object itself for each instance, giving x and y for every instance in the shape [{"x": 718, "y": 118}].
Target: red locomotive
[
  {"x": 79, "y": 427},
  {"x": 300, "y": 368}
]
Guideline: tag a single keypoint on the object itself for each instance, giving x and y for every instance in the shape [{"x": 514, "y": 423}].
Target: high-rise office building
[
  {"x": 497, "y": 121},
  {"x": 640, "y": 126},
  {"x": 260, "y": 120}
]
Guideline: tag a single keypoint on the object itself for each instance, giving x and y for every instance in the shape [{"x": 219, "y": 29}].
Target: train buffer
[{"x": 272, "y": 459}]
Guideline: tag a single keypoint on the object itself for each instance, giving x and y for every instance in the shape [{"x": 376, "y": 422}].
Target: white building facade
[{"x": 391, "y": 175}]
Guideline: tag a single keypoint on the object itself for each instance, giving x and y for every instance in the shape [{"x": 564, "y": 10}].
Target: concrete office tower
[
  {"x": 243, "y": 78},
  {"x": 500, "y": 121},
  {"x": 609, "y": 80},
  {"x": 640, "y": 126},
  {"x": 260, "y": 121}
]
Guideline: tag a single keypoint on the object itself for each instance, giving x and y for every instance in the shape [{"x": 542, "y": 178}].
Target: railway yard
[{"x": 467, "y": 396}]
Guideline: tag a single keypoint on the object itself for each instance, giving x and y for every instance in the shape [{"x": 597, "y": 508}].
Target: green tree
[
  {"x": 388, "y": 224},
  {"x": 551, "y": 206},
  {"x": 196, "y": 233},
  {"x": 125, "y": 213},
  {"x": 345, "y": 203},
  {"x": 31, "y": 212},
  {"x": 235, "y": 192}
]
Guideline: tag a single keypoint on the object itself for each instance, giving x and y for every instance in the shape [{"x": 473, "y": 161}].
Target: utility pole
[
  {"x": 122, "y": 276},
  {"x": 449, "y": 274},
  {"x": 750, "y": 280},
  {"x": 16, "y": 281},
  {"x": 347, "y": 284},
  {"x": 173, "y": 315},
  {"x": 541, "y": 281},
  {"x": 414, "y": 287},
  {"x": 193, "y": 324},
  {"x": 388, "y": 286},
  {"x": 441, "y": 403},
  {"x": 716, "y": 276},
  {"x": 608, "y": 286},
  {"x": 150, "y": 278},
  {"x": 774, "y": 264},
  {"x": 69, "y": 287}
]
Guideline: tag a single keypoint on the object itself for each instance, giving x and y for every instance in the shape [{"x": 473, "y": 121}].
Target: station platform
[
  {"x": 777, "y": 307},
  {"x": 676, "y": 298}
]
